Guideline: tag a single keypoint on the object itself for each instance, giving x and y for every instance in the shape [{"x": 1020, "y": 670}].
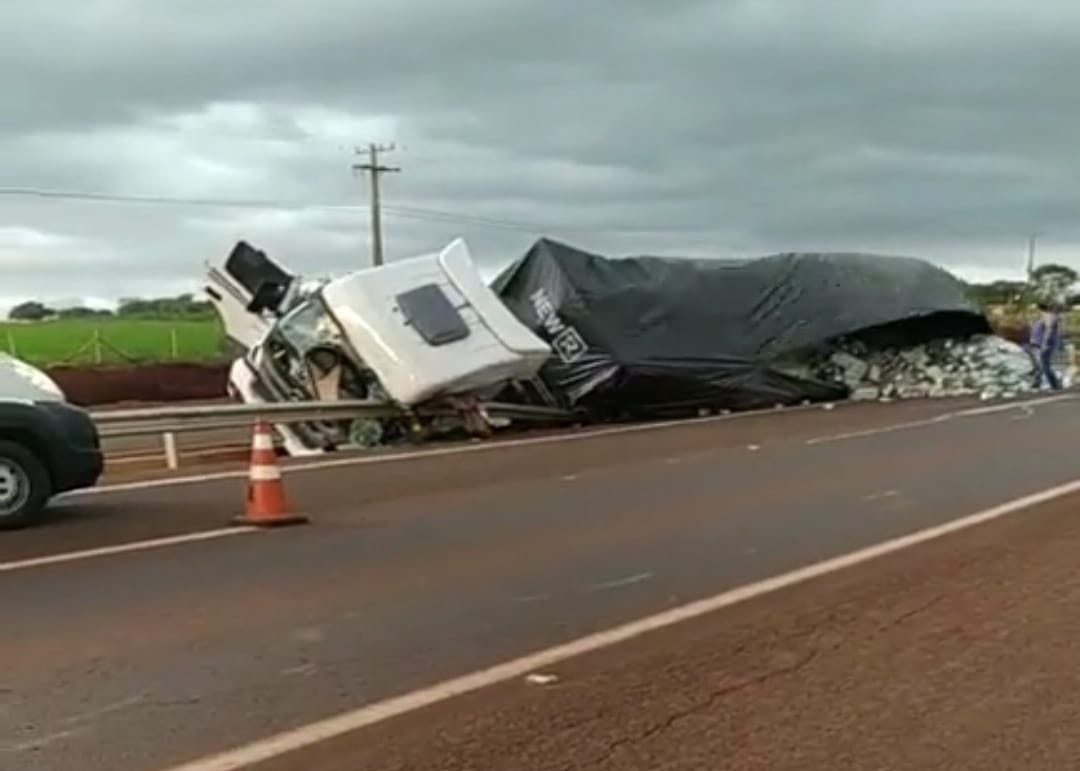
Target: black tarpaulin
[{"x": 647, "y": 335}]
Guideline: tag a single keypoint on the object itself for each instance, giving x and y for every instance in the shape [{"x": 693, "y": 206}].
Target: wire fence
[{"x": 73, "y": 343}]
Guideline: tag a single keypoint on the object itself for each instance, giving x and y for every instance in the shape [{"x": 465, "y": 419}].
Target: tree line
[
  {"x": 183, "y": 306},
  {"x": 1049, "y": 283}
]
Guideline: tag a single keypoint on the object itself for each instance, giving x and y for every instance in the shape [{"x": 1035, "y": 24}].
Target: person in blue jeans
[{"x": 1046, "y": 340}]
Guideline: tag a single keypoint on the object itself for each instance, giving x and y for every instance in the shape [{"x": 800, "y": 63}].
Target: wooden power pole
[
  {"x": 374, "y": 171},
  {"x": 1031, "y": 255}
]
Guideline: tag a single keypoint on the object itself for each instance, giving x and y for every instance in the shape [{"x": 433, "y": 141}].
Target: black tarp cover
[{"x": 647, "y": 335}]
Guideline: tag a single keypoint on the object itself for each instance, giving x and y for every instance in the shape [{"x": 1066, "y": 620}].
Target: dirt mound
[{"x": 96, "y": 386}]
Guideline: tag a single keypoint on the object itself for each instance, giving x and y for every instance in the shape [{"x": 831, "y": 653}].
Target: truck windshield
[{"x": 308, "y": 326}]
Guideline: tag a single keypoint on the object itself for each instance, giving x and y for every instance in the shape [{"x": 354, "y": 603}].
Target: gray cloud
[{"x": 944, "y": 130}]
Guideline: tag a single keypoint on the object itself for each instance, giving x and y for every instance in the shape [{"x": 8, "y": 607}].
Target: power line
[
  {"x": 406, "y": 212},
  {"x": 506, "y": 224},
  {"x": 375, "y": 170},
  {"x": 401, "y": 211},
  {"x": 86, "y": 195}
]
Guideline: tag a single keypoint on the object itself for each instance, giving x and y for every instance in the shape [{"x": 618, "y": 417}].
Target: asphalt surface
[
  {"x": 420, "y": 570},
  {"x": 957, "y": 656},
  {"x": 124, "y": 515}
]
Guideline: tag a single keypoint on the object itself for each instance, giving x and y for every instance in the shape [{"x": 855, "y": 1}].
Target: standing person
[{"x": 1046, "y": 341}]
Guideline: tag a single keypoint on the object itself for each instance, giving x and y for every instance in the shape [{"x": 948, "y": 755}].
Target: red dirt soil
[{"x": 95, "y": 386}]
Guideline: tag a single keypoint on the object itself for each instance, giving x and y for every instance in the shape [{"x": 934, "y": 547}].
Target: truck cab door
[{"x": 248, "y": 290}]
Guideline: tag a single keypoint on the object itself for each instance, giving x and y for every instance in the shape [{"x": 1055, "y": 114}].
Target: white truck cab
[{"x": 405, "y": 334}]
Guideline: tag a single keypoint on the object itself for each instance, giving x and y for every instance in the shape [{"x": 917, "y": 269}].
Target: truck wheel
[{"x": 24, "y": 486}]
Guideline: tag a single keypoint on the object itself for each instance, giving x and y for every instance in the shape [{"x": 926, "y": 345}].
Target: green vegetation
[
  {"x": 1048, "y": 283},
  {"x": 113, "y": 340},
  {"x": 138, "y": 331},
  {"x": 183, "y": 306}
]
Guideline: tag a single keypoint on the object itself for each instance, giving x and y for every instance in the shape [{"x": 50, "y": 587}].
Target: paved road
[
  {"x": 130, "y": 512},
  {"x": 957, "y": 656},
  {"x": 418, "y": 571}
]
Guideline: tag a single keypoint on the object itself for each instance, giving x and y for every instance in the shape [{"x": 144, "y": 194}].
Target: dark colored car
[{"x": 47, "y": 446}]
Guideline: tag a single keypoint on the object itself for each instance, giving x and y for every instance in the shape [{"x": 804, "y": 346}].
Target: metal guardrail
[
  {"x": 169, "y": 421},
  {"x": 149, "y": 420}
]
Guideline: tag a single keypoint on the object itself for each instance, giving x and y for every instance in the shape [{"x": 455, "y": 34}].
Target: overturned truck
[
  {"x": 574, "y": 333},
  {"x": 422, "y": 331}
]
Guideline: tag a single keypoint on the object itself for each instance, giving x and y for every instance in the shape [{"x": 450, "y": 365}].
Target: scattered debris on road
[{"x": 983, "y": 365}]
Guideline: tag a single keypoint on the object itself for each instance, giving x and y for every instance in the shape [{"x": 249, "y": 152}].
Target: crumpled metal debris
[{"x": 985, "y": 365}]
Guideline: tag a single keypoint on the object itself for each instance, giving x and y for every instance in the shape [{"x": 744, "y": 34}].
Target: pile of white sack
[{"x": 986, "y": 365}]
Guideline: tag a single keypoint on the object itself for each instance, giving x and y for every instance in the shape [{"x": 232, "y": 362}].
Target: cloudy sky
[{"x": 947, "y": 130}]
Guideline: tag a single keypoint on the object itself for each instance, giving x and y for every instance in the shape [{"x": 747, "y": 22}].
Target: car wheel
[{"x": 24, "y": 486}]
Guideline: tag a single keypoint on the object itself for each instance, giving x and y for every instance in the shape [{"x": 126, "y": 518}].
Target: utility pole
[
  {"x": 375, "y": 170},
  {"x": 1031, "y": 255}
]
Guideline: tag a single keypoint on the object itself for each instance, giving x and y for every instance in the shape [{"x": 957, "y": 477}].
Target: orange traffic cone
[{"x": 266, "y": 506}]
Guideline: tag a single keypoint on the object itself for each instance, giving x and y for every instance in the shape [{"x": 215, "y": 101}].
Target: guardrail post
[{"x": 172, "y": 457}]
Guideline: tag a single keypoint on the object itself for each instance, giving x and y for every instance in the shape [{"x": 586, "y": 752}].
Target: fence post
[
  {"x": 172, "y": 457},
  {"x": 174, "y": 343}
]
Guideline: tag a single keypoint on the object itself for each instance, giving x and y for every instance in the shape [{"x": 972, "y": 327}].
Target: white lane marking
[
  {"x": 108, "y": 709},
  {"x": 944, "y": 418},
  {"x": 1027, "y": 404},
  {"x": 346, "y": 722},
  {"x": 123, "y": 548},
  {"x": 441, "y": 451},
  {"x": 882, "y": 495},
  {"x": 876, "y": 431},
  {"x": 619, "y": 583},
  {"x": 43, "y": 741},
  {"x": 76, "y": 725}
]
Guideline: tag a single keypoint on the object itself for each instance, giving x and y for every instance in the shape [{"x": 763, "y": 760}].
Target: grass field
[
  {"x": 112, "y": 341},
  {"x": 120, "y": 340}
]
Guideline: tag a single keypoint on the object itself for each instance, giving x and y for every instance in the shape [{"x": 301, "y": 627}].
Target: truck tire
[{"x": 25, "y": 487}]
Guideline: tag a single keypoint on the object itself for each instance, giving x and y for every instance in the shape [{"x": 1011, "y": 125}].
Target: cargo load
[{"x": 641, "y": 337}]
